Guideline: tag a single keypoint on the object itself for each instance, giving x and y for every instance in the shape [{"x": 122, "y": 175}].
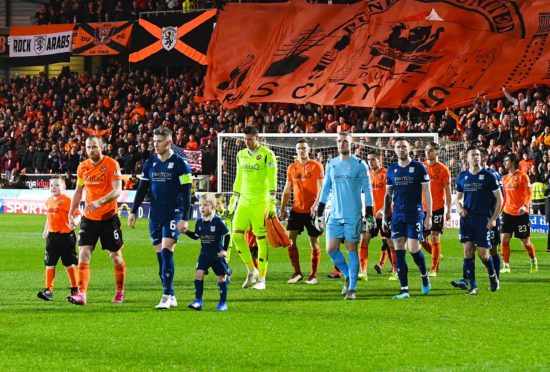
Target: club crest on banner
[
  {"x": 103, "y": 35},
  {"x": 39, "y": 44},
  {"x": 169, "y": 37}
]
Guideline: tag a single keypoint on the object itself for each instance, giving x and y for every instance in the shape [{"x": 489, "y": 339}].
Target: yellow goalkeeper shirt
[{"x": 256, "y": 175}]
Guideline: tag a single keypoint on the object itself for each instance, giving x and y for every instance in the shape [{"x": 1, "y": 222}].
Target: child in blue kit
[{"x": 214, "y": 236}]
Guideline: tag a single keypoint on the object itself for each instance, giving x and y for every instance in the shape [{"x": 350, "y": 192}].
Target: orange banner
[
  {"x": 428, "y": 54},
  {"x": 100, "y": 39}
]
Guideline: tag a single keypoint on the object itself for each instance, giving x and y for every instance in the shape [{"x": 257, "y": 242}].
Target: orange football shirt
[
  {"x": 440, "y": 176},
  {"x": 97, "y": 180},
  {"x": 378, "y": 185},
  {"x": 58, "y": 214},
  {"x": 517, "y": 192},
  {"x": 304, "y": 184}
]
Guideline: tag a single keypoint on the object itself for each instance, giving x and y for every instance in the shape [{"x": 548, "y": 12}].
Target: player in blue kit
[
  {"x": 406, "y": 180},
  {"x": 346, "y": 177},
  {"x": 215, "y": 239},
  {"x": 495, "y": 231},
  {"x": 479, "y": 202},
  {"x": 169, "y": 179}
]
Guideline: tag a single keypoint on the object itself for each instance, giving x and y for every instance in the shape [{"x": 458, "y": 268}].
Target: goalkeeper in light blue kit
[
  {"x": 346, "y": 177},
  {"x": 253, "y": 198}
]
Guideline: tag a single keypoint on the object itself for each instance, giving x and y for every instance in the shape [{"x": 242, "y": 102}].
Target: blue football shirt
[
  {"x": 165, "y": 180},
  {"x": 211, "y": 234},
  {"x": 478, "y": 191},
  {"x": 406, "y": 183}
]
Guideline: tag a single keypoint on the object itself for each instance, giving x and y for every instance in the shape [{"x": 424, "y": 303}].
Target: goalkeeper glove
[
  {"x": 272, "y": 208},
  {"x": 319, "y": 224},
  {"x": 319, "y": 221},
  {"x": 233, "y": 204},
  {"x": 368, "y": 223}
]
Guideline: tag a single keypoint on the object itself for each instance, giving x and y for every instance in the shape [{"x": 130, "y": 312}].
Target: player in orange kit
[
  {"x": 60, "y": 238},
  {"x": 100, "y": 176},
  {"x": 440, "y": 186},
  {"x": 304, "y": 179},
  {"x": 378, "y": 183},
  {"x": 515, "y": 217}
]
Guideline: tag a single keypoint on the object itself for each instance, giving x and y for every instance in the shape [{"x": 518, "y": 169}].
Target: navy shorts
[
  {"x": 165, "y": 227},
  {"x": 218, "y": 264},
  {"x": 410, "y": 228},
  {"x": 473, "y": 228}
]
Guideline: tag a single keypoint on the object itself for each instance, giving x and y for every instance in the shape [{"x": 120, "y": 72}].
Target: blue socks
[
  {"x": 199, "y": 287},
  {"x": 471, "y": 271},
  {"x": 353, "y": 258},
  {"x": 402, "y": 268},
  {"x": 496, "y": 264},
  {"x": 159, "y": 259},
  {"x": 223, "y": 290},
  {"x": 340, "y": 261},
  {"x": 489, "y": 265},
  {"x": 167, "y": 271},
  {"x": 420, "y": 261}
]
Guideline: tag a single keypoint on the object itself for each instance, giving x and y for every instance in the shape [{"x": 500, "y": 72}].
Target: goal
[{"x": 323, "y": 147}]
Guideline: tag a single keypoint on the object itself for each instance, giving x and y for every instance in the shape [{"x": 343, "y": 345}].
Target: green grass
[{"x": 286, "y": 327}]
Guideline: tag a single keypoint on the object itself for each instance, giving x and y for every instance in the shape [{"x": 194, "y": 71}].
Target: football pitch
[{"x": 286, "y": 327}]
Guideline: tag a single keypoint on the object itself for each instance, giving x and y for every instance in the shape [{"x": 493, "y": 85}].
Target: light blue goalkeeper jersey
[{"x": 346, "y": 179}]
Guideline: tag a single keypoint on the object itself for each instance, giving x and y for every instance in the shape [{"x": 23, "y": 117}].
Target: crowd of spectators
[
  {"x": 43, "y": 122},
  {"x": 84, "y": 11}
]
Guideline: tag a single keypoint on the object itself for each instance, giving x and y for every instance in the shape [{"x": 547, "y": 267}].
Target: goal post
[{"x": 323, "y": 147}]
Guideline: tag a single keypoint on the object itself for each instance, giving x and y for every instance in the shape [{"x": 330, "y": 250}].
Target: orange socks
[
  {"x": 505, "y": 250},
  {"x": 50, "y": 276},
  {"x": 436, "y": 255},
  {"x": 120, "y": 276},
  {"x": 83, "y": 277},
  {"x": 427, "y": 246},
  {"x": 72, "y": 273},
  {"x": 363, "y": 256},
  {"x": 315, "y": 260},
  {"x": 531, "y": 250},
  {"x": 294, "y": 258}
]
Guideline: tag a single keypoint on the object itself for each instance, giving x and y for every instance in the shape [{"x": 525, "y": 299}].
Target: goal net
[{"x": 323, "y": 147}]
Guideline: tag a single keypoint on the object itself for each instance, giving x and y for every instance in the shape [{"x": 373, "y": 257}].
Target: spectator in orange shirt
[
  {"x": 192, "y": 144},
  {"x": 526, "y": 163}
]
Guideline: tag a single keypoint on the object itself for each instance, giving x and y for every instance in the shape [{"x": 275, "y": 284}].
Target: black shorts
[
  {"x": 61, "y": 245},
  {"x": 519, "y": 226},
  {"x": 297, "y": 222},
  {"x": 438, "y": 222},
  {"x": 378, "y": 229},
  {"x": 107, "y": 231},
  {"x": 218, "y": 264}
]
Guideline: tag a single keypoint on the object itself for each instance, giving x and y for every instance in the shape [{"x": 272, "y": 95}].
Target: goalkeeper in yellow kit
[{"x": 253, "y": 198}]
